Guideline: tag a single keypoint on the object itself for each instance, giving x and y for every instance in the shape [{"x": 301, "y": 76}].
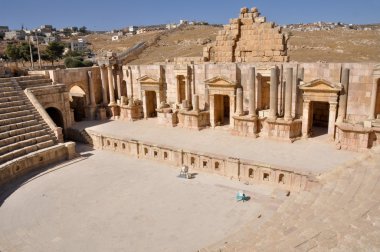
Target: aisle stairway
[
  {"x": 342, "y": 215},
  {"x": 22, "y": 130}
]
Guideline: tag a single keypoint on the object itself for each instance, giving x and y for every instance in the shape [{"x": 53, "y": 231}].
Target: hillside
[{"x": 338, "y": 45}]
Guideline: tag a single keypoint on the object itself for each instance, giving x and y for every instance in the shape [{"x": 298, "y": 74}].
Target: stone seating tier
[
  {"x": 21, "y": 129},
  {"x": 341, "y": 215}
]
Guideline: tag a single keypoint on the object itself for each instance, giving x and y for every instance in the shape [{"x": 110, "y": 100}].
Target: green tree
[
  {"x": 24, "y": 51},
  {"x": 83, "y": 29},
  {"x": 67, "y": 32},
  {"x": 74, "y": 29},
  {"x": 13, "y": 52},
  {"x": 53, "y": 52}
]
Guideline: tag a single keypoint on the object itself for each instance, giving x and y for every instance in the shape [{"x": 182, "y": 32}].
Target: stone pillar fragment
[
  {"x": 111, "y": 86},
  {"x": 372, "y": 108},
  {"x": 288, "y": 94},
  {"x": 273, "y": 94},
  {"x": 104, "y": 78},
  {"x": 239, "y": 102},
  {"x": 196, "y": 103},
  {"x": 342, "y": 112},
  {"x": 332, "y": 118},
  {"x": 252, "y": 90},
  {"x": 188, "y": 89}
]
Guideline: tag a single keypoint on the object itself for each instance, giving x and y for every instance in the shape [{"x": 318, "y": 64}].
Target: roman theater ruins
[{"x": 89, "y": 157}]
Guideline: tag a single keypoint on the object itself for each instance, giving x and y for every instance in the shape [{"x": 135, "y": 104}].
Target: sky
[{"x": 115, "y": 14}]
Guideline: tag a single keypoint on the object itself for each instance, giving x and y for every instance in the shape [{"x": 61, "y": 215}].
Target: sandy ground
[
  {"x": 106, "y": 201},
  {"x": 313, "y": 156}
]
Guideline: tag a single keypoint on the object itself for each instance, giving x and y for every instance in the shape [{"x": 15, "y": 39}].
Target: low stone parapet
[
  {"x": 18, "y": 167},
  {"x": 281, "y": 129},
  {"x": 247, "y": 171}
]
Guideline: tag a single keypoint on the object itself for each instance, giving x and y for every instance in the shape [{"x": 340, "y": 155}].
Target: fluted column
[
  {"x": 111, "y": 86},
  {"x": 372, "y": 108},
  {"x": 305, "y": 118},
  {"x": 252, "y": 91},
  {"x": 239, "y": 102},
  {"x": 288, "y": 94},
  {"x": 342, "y": 112},
  {"x": 273, "y": 94},
  {"x": 104, "y": 78}
]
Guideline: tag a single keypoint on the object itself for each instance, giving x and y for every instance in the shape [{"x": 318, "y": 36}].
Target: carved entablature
[
  {"x": 182, "y": 70},
  {"x": 148, "y": 83},
  {"x": 221, "y": 85},
  {"x": 321, "y": 90}
]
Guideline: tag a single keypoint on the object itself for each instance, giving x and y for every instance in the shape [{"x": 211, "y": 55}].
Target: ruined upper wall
[{"x": 248, "y": 38}]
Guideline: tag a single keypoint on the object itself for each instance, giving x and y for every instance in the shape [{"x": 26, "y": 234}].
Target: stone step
[
  {"x": 20, "y": 131},
  {"x": 14, "y": 114},
  {"x": 16, "y": 120},
  {"x": 19, "y": 145},
  {"x": 25, "y": 150},
  {"x": 13, "y": 109},
  {"x": 12, "y": 104},
  {"x": 7, "y": 88},
  {"x": 22, "y": 137},
  {"x": 17, "y": 97},
  {"x": 9, "y": 93}
]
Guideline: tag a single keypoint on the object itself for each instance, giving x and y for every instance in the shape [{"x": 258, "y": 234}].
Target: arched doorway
[
  {"x": 56, "y": 115},
  {"x": 78, "y": 102}
]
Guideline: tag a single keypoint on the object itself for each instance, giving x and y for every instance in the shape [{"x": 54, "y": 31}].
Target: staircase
[
  {"x": 342, "y": 215},
  {"x": 33, "y": 81},
  {"x": 22, "y": 130}
]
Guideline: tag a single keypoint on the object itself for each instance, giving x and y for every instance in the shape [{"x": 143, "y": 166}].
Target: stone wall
[
  {"x": 248, "y": 38},
  {"x": 35, "y": 160},
  {"x": 243, "y": 170}
]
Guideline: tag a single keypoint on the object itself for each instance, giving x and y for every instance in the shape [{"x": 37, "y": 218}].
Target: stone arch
[{"x": 78, "y": 102}]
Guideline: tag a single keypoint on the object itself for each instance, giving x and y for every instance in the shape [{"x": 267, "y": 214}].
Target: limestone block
[{"x": 244, "y": 10}]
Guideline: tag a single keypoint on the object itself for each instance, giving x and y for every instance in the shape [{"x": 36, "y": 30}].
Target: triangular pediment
[
  {"x": 147, "y": 79},
  {"x": 322, "y": 86},
  {"x": 220, "y": 81}
]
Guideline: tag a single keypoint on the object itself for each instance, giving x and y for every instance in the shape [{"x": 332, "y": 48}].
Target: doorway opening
[
  {"x": 222, "y": 110},
  {"x": 320, "y": 124},
  {"x": 56, "y": 116},
  {"x": 377, "y": 109},
  {"x": 151, "y": 104},
  {"x": 181, "y": 88}
]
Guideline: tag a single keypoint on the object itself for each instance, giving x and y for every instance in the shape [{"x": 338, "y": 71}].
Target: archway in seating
[
  {"x": 78, "y": 102},
  {"x": 57, "y": 117}
]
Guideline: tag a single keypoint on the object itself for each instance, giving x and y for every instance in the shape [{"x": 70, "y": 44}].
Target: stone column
[
  {"x": 131, "y": 83},
  {"x": 91, "y": 89},
  {"x": 332, "y": 118},
  {"x": 232, "y": 109},
  {"x": 305, "y": 119},
  {"x": 207, "y": 98},
  {"x": 125, "y": 88},
  {"x": 178, "y": 91},
  {"x": 372, "y": 108},
  {"x": 239, "y": 102},
  {"x": 252, "y": 89},
  {"x": 104, "y": 78},
  {"x": 188, "y": 89},
  {"x": 288, "y": 94},
  {"x": 342, "y": 112},
  {"x": 111, "y": 86},
  {"x": 212, "y": 111},
  {"x": 119, "y": 79},
  {"x": 196, "y": 103},
  {"x": 273, "y": 94}
]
